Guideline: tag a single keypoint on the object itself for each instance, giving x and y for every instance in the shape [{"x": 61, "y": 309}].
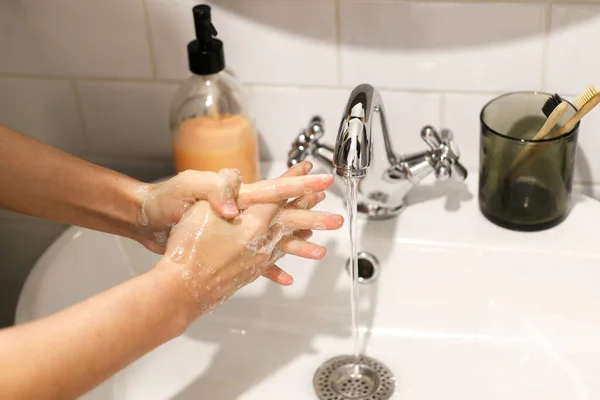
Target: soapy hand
[
  {"x": 163, "y": 204},
  {"x": 295, "y": 242},
  {"x": 217, "y": 256}
]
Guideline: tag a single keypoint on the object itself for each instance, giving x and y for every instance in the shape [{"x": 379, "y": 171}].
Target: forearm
[
  {"x": 68, "y": 353},
  {"x": 39, "y": 180}
]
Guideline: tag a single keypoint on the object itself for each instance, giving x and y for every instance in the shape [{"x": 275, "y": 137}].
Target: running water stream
[{"x": 351, "y": 203}]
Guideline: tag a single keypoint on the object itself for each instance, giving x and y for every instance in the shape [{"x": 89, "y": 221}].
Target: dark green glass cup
[{"x": 524, "y": 184}]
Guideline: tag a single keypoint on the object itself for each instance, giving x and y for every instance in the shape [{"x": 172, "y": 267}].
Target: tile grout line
[
  {"x": 261, "y": 85},
  {"x": 79, "y": 107},
  {"x": 151, "y": 52},
  {"x": 381, "y": 88},
  {"x": 114, "y": 79},
  {"x": 338, "y": 37},
  {"x": 546, "y": 46}
]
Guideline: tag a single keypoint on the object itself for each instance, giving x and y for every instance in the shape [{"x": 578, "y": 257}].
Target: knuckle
[
  {"x": 220, "y": 182},
  {"x": 192, "y": 177},
  {"x": 253, "y": 226},
  {"x": 187, "y": 175},
  {"x": 262, "y": 259}
]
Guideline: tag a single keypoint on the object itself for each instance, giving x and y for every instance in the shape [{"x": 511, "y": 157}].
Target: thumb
[
  {"x": 220, "y": 189},
  {"x": 224, "y": 198}
]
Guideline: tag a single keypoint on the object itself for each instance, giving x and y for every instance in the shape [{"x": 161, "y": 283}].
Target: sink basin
[{"x": 461, "y": 309}]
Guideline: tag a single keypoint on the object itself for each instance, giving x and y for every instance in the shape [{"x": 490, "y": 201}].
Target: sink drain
[
  {"x": 368, "y": 267},
  {"x": 341, "y": 378}
]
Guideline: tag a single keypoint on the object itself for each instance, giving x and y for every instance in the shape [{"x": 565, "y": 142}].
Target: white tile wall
[
  {"x": 441, "y": 46},
  {"x": 74, "y": 38},
  {"x": 44, "y": 109},
  {"x": 96, "y": 77},
  {"x": 461, "y": 114},
  {"x": 300, "y": 57},
  {"x": 573, "y": 57},
  {"x": 282, "y": 112},
  {"x": 260, "y": 52},
  {"x": 127, "y": 118}
]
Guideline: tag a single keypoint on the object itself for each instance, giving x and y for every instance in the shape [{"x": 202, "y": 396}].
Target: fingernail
[
  {"x": 307, "y": 167},
  {"x": 321, "y": 196},
  {"x": 317, "y": 253},
  {"x": 230, "y": 207}
]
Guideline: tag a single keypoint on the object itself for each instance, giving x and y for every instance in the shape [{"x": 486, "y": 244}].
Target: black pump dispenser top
[{"x": 205, "y": 54}]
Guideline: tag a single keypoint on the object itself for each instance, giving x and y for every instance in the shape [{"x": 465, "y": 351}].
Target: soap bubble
[{"x": 319, "y": 226}]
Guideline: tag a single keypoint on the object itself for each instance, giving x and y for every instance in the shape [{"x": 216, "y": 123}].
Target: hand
[
  {"x": 217, "y": 256},
  {"x": 163, "y": 204},
  {"x": 296, "y": 242}
]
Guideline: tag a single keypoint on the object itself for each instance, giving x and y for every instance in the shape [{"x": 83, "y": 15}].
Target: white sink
[{"x": 461, "y": 310}]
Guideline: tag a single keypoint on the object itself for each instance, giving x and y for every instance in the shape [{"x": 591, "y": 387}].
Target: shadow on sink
[
  {"x": 276, "y": 330},
  {"x": 455, "y": 193},
  {"x": 384, "y": 231}
]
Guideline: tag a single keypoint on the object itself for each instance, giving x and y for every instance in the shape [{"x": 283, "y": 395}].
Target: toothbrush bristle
[
  {"x": 585, "y": 97},
  {"x": 551, "y": 104}
]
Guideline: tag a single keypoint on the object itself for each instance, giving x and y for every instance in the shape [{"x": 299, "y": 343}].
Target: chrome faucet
[{"x": 385, "y": 178}]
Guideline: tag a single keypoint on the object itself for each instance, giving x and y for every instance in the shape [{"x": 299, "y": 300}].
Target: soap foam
[
  {"x": 267, "y": 243},
  {"x": 302, "y": 204},
  {"x": 143, "y": 215},
  {"x": 140, "y": 188},
  {"x": 161, "y": 238},
  {"x": 319, "y": 226}
]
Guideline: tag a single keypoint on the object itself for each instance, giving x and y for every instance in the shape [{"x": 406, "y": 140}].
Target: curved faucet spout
[
  {"x": 384, "y": 179},
  {"x": 353, "y": 146}
]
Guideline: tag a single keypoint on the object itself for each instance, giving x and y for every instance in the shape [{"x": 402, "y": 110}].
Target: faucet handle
[
  {"x": 431, "y": 137},
  {"x": 445, "y": 153},
  {"x": 449, "y": 156},
  {"x": 447, "y": 138},
  {"x": 306, "y": 141}
]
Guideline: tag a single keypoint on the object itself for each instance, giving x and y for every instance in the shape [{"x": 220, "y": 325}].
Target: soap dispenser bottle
[{"x": 211, "y": 126}]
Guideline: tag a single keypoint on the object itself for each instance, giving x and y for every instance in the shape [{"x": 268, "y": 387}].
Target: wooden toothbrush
[
  {"x": 553, "y": 108},
  {"x": 584, "y": 103}
]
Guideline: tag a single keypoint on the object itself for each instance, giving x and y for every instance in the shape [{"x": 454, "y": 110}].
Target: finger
[
  {"x": 277, "y": 275},
  {"x": 275, "y": 190},
  {"x": 303, "y": 234},
  {"x": 307, "y": 202},
  {"x": 224, "y": 201},
  {"x": 297, "y": 170},
  {"x": 302, "y": 248},
  {"x": 294, "y": 219},
  {"x": 302, "y": 168},
  {"x": 259, "y": 217}
]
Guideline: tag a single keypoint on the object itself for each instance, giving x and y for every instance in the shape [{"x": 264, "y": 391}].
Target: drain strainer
[{"x": 343, "y": 378}]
